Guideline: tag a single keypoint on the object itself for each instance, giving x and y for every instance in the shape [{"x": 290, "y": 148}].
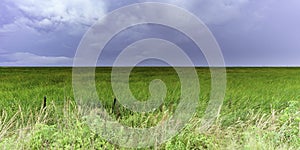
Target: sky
[{"x": 249, "y": 32}]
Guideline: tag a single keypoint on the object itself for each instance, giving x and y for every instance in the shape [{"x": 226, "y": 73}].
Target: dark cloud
[{"x": 250, "y": 32}]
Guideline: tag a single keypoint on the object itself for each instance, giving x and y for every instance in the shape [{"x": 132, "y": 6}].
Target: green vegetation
[{"x": 261, "y": 109}]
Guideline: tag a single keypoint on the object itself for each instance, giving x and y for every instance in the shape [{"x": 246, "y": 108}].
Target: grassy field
[{"x": 261, "y": 109}]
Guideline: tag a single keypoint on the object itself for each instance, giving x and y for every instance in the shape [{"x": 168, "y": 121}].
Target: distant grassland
[{"x": 261, "y": 108}]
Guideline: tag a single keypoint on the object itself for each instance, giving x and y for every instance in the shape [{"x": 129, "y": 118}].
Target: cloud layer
[
  {"x": 28, "y": 59},
  {"x": 250, "y": 32},
  {"x": 52, "y": 14},
  {"x": 213, "y": 11}
]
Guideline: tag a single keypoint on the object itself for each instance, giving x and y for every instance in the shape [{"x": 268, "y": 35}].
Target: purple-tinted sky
[{"x": 249, "y": 32}]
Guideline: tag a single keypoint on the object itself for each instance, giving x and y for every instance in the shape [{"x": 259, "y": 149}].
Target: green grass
[{"x": 261, "y": 109}]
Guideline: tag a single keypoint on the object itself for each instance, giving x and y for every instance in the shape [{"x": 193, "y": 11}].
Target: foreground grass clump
[
  {"x": 260, "y": 131},
  {"x": 67, "y": 132},
  {"x": 261, "y": 109}
]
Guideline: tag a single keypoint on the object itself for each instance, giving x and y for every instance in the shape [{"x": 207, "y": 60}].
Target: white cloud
[
  {"x": 29, "y": 59},
  {"x": 51, "y": 13},
  {"x": 8, "y": 28}
]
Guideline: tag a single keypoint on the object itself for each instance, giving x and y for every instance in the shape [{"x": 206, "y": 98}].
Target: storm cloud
[{"x": 249, "y": 32}]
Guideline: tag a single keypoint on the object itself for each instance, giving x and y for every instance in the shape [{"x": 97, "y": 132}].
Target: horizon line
[{"x": 198, "y": 66}]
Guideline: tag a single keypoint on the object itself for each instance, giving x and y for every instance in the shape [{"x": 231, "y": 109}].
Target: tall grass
[
  {"x": 259, "y": 131},
  {"x": 261, "y": 109}
]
